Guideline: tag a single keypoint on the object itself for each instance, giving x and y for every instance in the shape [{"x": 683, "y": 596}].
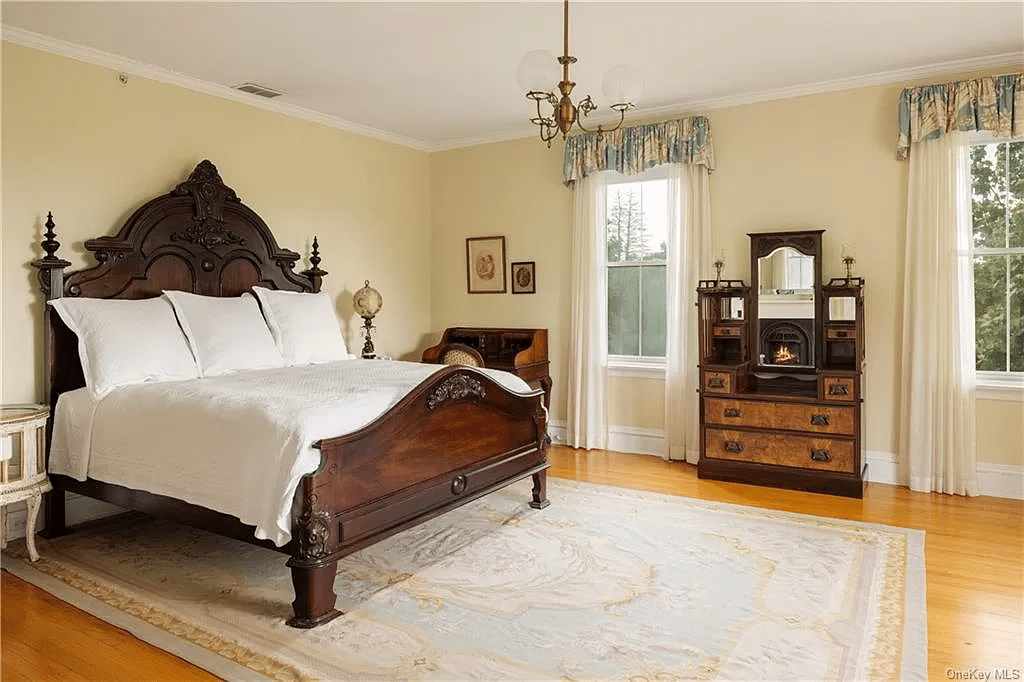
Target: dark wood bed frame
[{"x": 455, "y": 437}]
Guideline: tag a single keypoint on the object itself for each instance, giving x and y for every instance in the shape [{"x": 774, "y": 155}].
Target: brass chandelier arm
[{"x": 621, "y": 108}]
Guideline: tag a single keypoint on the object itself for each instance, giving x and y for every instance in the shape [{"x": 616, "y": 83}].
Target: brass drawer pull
[
  {"x": 732, "y": 412},
  {"x": 821, "y": 456},
  {"x": 819, "y": 420},
  {"x": 838, "y": 389},
  {"x": 733, "y": 446},
  {"x": 716, "y": 382}
]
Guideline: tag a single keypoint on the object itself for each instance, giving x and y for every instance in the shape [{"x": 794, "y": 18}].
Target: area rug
[{"x": 605, "y": 584}]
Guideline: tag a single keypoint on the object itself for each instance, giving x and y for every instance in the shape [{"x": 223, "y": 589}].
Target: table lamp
[{"x": 367, "y": 302}]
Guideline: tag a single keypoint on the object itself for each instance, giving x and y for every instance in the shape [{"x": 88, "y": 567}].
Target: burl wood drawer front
[
  {"x": 839, "y": 389},
  {"x": 806, "y": 452},
  {"x": 726, "y": 331},
  {"x": 738, "y": 413},
  {"x": 717, "y": 382},
  {"x": 789, "y": 416}
]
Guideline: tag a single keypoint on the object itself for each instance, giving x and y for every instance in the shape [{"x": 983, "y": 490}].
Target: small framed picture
[
  {"x": 524, "y": 278},
  {"x": 485, "y": 265}
]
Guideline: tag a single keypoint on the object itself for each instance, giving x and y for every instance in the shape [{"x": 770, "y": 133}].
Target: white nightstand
[{"x": 22, "y": 465}]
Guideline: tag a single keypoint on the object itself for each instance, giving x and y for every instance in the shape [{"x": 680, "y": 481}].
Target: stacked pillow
[
  {"x": 304, "y": 326},
  {"x": 124, "y": 342},
  {"x": 181, "y": 335}
]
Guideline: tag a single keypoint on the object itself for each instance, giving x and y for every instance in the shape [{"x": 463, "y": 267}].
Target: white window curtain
[
  {"x": 587, "y": 421},
  {"x": 684, "y": 145},
  {"x": 937, "y": 402},
  {"x": 689, "y": 253}
]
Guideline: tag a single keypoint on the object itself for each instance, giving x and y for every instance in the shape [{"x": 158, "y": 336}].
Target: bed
[{"x": 457, "y": 433}]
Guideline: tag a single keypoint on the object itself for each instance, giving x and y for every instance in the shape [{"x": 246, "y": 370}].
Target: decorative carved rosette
[
  {"x": 457, "y": 387},
  {"x": 314, "y": 529}
]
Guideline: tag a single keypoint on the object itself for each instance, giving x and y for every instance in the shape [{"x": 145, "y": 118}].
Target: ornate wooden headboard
[{"x": 199, "y": 237}]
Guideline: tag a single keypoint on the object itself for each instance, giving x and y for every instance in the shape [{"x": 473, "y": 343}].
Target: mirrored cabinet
[{"x": 781, "y": 366}]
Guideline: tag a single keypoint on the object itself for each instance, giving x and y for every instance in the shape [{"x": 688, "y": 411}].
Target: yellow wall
[
  {"x": 80, "y": 144},
  {"x": 821, "y": 161},
  {"x": 77, "y": 142}
]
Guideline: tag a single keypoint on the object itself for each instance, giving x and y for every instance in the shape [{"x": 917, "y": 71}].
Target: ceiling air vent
[{"x": 260, "y": 90}]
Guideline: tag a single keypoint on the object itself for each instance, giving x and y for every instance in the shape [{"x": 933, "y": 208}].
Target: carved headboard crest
[
  {"x": 199, "y": 238},
  {"x": 209, "y": 193}
]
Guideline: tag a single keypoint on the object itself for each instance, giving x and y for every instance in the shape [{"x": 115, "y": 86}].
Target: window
[
  {"x": 637, "y": 236},
  {"x": 997, "y": 221}
]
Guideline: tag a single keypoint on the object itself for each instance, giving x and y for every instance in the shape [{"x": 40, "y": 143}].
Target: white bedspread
[{"x": 237, "y": 443}]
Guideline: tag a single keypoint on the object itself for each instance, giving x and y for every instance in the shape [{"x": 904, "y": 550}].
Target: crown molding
[
  {"x": 1009, "y": 59},
  {"x": 122, "y": 64},
  {"x": 130, "y": 66}
]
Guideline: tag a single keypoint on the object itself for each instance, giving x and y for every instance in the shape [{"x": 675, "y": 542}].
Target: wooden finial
[
  {"x": 315, "y": 258},
  {"x": 315, "y": 274},
  {"x": 51, "y": 268},
  {"x": 50, "y": 245}
]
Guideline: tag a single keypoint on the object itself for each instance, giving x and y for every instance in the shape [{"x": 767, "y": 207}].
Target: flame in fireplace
[{"x": 784, "y": 357}]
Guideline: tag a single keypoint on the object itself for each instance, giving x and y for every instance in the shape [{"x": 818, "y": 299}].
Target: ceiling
[{"x": 436, "y": 75}]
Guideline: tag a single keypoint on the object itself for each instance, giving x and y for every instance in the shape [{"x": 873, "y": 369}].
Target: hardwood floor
[{"x": 974, "y": 553}]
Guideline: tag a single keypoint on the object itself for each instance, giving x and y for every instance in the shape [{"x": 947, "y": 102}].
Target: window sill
[
  {"x": 1010, "y": 390},
  {"x": 636, "y": 368}
]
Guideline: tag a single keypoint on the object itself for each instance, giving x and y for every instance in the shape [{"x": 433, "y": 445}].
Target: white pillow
[
  {"x": 304, "y": 326},
  {"x": 225, "y": 334},
  {"x": 123, "y": 342}
]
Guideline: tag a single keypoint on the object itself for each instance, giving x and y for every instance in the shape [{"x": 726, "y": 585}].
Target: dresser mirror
[{"x": 787, "y": 299}]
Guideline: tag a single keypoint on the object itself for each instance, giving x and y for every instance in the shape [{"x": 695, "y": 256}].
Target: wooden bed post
[
  {"x": 314, "y": 594},
  {"x": 51, "y": 283},
  {"x": 540, "y": 490}
]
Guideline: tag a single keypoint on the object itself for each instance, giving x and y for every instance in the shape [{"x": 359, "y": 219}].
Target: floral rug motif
[{"x": 605, "y": 584}]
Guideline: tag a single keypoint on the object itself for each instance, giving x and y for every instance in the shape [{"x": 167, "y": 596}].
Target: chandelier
[{"x": 537, "y": 71}]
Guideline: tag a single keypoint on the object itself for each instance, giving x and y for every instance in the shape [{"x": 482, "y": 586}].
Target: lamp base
[{"x": 368, "y": 351}]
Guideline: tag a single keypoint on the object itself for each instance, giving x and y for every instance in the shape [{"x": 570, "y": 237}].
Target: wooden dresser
[
  {"x": 781, "y": 396},
  {"x": 523, "y": 352}
]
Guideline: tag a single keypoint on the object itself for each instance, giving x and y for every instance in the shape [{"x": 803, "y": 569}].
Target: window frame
[
  {"x": 637, "y": 366},
  {"x": 989, "y": 384}
]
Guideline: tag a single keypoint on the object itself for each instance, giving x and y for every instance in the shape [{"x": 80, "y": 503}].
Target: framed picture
[
  {"x": 485, "y": 265},
  {"x": 524, "y": 278}
]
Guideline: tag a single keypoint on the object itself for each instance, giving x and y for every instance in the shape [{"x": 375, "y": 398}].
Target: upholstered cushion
[
  {"x": 305, "y": 326},
  {"x": 124, "y": 342},
  {"x": 225, "y": 334}
]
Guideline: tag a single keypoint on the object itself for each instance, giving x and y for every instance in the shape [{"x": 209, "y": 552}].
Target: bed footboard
[{"x": 456, "y": 437}]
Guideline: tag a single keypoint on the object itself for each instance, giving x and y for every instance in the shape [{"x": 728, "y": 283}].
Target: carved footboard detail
[{"x": 456, "y": 437}]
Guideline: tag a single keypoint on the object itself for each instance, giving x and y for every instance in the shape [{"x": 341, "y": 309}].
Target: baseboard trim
[{"x": 994, "y": 480}]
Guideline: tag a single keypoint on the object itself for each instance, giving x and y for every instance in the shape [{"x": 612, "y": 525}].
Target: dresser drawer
[
  {"x": 840, "y": 389},
  {"x": 717, "y": 382},
  {"x": 805, "y": 452},
  {"x": 738, "y": 413},
  {"x": 832, "y": 419}
]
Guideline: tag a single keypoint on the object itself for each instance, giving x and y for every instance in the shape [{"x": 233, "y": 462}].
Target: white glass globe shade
[
  {"x": 367, "y": 301},
  {"x": 622, "y": 84},
  {"x": 538, "y": 71}
]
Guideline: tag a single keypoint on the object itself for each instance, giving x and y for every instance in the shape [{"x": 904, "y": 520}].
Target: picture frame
[
  {"x": 485, "y": 265},
  {"x": 524, "y": 277}
]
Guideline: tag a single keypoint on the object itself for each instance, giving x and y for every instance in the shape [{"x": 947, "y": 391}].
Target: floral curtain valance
[
  {"x": 633, "y": 150},
  {"x": 994, "y": 104}
]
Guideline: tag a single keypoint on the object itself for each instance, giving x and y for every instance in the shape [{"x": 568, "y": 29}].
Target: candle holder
[{"x": 719, "y": 263}]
